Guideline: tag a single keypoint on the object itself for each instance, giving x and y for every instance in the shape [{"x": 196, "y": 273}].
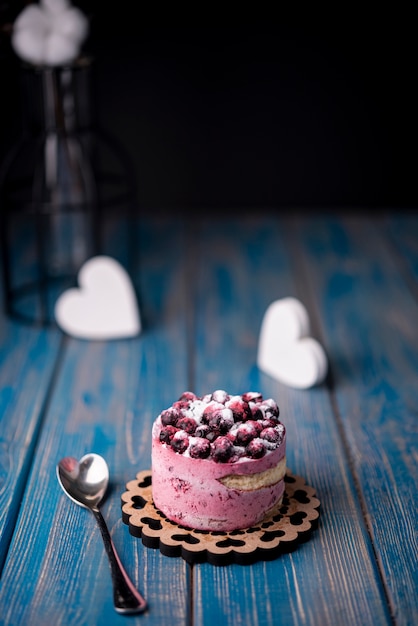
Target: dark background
[{"x": 219, "y": 112}]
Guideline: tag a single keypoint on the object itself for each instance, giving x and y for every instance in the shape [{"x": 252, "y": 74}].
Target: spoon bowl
[{"x": 85, "y": 483}]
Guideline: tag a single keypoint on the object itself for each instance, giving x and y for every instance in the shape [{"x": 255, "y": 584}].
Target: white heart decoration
[
  {"x": 285, "y": 350},
  {"x": 284, "y": 321},
  {"x": 105, "y": 305}
]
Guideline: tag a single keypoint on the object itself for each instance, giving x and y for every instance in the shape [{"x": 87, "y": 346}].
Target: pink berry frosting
[{"x": 218, "y": 461}]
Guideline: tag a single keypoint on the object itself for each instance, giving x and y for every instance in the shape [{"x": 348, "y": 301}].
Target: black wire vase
[{"x": 53, "y": 190}]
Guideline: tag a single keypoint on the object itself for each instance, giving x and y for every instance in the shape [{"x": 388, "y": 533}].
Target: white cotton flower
[
  {"x": 71, "y": 24},
  {"x": 55, "y": 6},
  {"x": 59, "y": 50},
  {"x": 50, "y": 33},
  {"x": 29, "y": 32}
]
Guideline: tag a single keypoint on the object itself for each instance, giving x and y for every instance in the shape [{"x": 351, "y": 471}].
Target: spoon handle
[{"x": 125, "y": 597}]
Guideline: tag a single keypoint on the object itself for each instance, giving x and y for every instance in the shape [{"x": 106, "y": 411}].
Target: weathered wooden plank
[
  {"x": 239, "y": 267},
  {"x": 104, "y": 400},
  {"x": 368, "y": 318},
  {"x": 243, "y": 266},
  {"x": 402, "y": 231},
  {"x": 28, "y": 356}
]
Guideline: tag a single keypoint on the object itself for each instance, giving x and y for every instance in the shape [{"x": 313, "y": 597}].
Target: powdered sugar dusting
[{"x": 221, "y": 427}]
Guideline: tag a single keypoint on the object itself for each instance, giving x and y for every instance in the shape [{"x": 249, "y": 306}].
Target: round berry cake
[{"x": 218, "y": 461}]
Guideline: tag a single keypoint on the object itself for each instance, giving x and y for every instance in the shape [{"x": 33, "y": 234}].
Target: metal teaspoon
[{"x": 85, "y": 482}]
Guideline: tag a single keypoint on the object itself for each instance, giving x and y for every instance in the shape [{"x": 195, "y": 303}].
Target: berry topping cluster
[{"x": 222, "y": 427}]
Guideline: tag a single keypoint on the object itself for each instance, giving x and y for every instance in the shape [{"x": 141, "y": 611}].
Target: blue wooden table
[{"x": 204, "y": 285}]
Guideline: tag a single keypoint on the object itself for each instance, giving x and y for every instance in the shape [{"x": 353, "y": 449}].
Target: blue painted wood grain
[
  {"x": 368, "y": 316},
  {"x": 204, "y": 285},
  {"x": 28, "y": 356},
  {"x": 104, "y": 400},
  {"x": 401, "y": 228},
  {"x": 244, "y": 265}
]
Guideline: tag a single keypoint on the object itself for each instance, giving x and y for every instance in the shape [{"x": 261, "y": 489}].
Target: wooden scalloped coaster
[{"x": 280, "y": 531}]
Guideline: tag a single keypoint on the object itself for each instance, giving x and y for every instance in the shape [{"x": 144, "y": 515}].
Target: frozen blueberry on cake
[{"x": 218, "y": 461}]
